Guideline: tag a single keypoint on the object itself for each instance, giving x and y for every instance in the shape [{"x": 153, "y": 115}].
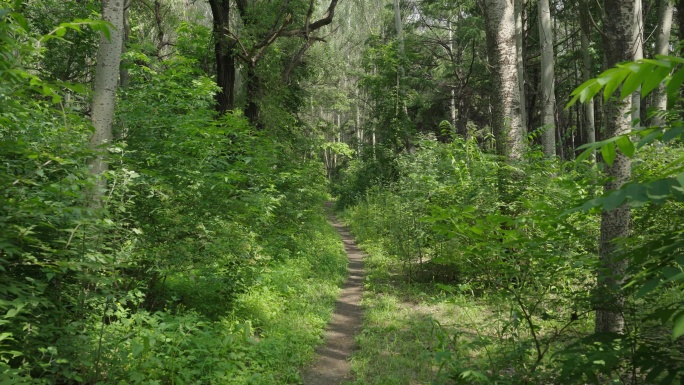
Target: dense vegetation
[
  {"x": 183, "y": 240},
  {"x": 207, "y": 259}
]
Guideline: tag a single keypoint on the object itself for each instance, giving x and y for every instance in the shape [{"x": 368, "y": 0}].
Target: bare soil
[{"x": 331, "y": 366}]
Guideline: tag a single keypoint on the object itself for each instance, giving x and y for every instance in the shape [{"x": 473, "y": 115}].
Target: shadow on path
[{"x": 331, "y": 366}]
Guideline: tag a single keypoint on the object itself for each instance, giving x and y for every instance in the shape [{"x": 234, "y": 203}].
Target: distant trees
[{"x": 245, "y": 34}]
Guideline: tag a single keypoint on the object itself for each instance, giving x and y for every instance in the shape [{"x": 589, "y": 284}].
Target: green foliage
[
  {"x": 530, "y": 251},
  {"x": 210, "y": 242}
]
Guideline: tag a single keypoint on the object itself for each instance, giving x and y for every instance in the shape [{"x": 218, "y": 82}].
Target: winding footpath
[{"x": 331, "y": 366}]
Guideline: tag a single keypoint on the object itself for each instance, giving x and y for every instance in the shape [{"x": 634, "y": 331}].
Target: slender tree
[
  {"x": 548, "y": 93},
  {"x": 104, "y": 90},
  {"x": 585, "y": 26},
  {"x": 519, "y": 45},
  {"x": 225, "y": 58},
  {"x": 665, "y": 11},
  {"x": 618, "y": 40},
  {"x": 638, "y": 43}
]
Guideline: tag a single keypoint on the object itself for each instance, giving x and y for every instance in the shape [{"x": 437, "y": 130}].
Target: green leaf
[
  {"x": 673, "y": 86},
  {"x": 20, "y": 20},
  {"x": 615, "y": 199},
  {"x": 636, "y": 193},
  {"x": 648, "y": 287},
  {"x": 672, "y": 133},
  {"x": 678, "y": 329},
  {"x": 615, "y": 79},
  {"x": 625, "y": 145},
  {"x": 654, "y": 79},
  {"x": 635, "y": 79},
  {"x": 608, "y": 152},
  {"x": 659, "y": 189},
  {"x": 585, "y": 91},
  {"x": 649, "y": 137}
]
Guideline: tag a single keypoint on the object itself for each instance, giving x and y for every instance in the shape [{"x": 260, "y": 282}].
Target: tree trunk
[
  {"x": 547, "y": 80},
  {"x": 589, "y": 122},
  {"x": 502, "y": 51},
  {"x": 665, "y": 11},
  {"x": 638, "y": 25},
  {"x": 124, "y": 76},
  {"x": 252, "y": 110},
  {"x": 225, "y": 60},
  {"x": 104, "y": 92},
  {"x": 680, "y": 20},
  {"x": 519, "y": 45},
  {"x": 619, "y": 45}
]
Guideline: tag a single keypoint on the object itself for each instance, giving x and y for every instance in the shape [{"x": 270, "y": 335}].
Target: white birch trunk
[
  {"x": 665, "y": 12},
  {"x": 638, "y": 25},
  {"x": 589, "y": 120},
  {"x": 104, "y": 90},
  {"x": 548, "y": 94},
  {"x": 619, "y": 38},
  {"x": 502, "y": 51},
  {"x": 519, "y": 6}
]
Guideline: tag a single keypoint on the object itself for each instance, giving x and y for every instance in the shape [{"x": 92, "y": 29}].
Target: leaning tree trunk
[
  {"x": 619, "y": 46},
  {"x": 547, "y": 80},
  {"x": 506, "y": 106},
  {"x": 104, "y": 92},
  {"x": 225, "y": 60},
  {"x": 665, "y": 12}
]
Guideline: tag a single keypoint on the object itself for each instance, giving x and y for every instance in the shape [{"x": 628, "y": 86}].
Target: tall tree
[
  {"x": 618, "y": 40},
  {"x": 586, "y": 28},
  {"x": 502, "y": 52},
  {"x": 638, "y": 25},
  {"x": 104, "y": 89},
  {"x": 519, "y": 44},
  {"x": 225, "y": 58},
  {"x": 665, "y": 11},
  {"x": 548, "y": 92}
]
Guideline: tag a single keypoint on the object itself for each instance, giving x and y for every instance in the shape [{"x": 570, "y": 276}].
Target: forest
[{"x": 513, "y": 171}]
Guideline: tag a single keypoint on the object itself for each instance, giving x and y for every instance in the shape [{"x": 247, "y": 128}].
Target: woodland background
[{"x": 165, "y": 163}]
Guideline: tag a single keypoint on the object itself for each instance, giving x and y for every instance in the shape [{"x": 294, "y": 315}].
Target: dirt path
[{"x": 332, "y": 366}]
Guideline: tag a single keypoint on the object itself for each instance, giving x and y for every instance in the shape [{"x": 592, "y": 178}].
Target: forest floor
[{"x": 331, "y": 366}]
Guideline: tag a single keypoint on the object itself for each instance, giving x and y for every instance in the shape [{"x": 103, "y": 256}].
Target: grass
[
  {"x": 427, "y": 333},
  {"x": 261, "y": 336}
]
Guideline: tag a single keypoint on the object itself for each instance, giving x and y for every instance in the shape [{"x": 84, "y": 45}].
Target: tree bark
[
  {"x": 124, "y": 76},
  {"x": 665, "y": 12},
  {"x": 589, "y": 120},
  {"x": 548, "y": 92},
  {"x": 104, "y": 93},
  {"x": 225, "y": 59},
  {"x": 519, "y": 45},
  {"x": 252, "y": 111},
  {"x": 618, "y": 41},
  {"x": 638, "y": 25},
  {"x": 502, "y": 52}
]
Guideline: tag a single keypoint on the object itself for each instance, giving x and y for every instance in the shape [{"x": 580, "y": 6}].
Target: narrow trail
[{"x": 331, "y": 366}]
